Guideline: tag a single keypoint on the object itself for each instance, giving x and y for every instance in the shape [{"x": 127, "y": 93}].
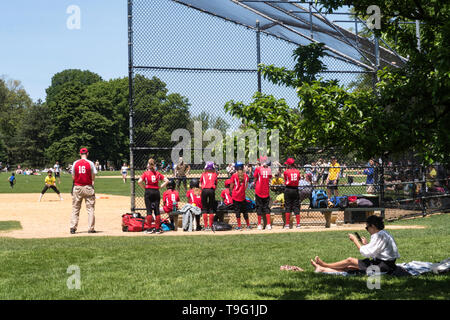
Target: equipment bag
[
  {"x": 251, "y": 204},
  {"x": 221, "y": 226},
  {"x": 134, "y": 223},
  {"x": 319, "y": 199},
  {"x": 340, "y": 202}
]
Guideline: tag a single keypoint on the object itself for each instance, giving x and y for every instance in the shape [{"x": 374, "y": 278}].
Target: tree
[
  {"x": 32, "y": 136},
  {"x": 156, "y": 115},
  {"x": 14, "y": 100},
  {"x": 408, "y": 111}
]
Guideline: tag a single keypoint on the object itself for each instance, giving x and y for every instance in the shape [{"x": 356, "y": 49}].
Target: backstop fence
[{"x": 185, "y": 65}]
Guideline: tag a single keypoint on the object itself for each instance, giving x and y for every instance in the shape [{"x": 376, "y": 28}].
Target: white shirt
[
  {"x": 381, "y": 246},
  {"x": 56, "y": 167}
]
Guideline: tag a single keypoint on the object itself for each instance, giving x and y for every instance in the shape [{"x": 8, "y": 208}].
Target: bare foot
[
  {"x": 319, "y": 261},
  {"x": 317, "y": 267}
]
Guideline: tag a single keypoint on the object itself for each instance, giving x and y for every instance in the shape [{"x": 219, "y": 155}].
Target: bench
[{"x": 351, "y": 215}]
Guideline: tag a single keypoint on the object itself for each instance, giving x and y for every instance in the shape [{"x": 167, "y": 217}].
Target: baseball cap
[
  {"x": 83, "y": 151},
  {"x": 289, "y": 161}
]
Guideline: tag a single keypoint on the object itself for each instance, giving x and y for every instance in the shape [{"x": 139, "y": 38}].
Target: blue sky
[{"x": 36, "y": 43}]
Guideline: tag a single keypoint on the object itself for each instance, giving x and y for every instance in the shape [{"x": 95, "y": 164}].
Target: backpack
[
  {"x": 364, "y": 202},
  {"x": 167, "y": 225},
  {"x": 319, "y": 199},
  {"x": 221, "y": 226},
  {"x": 340, "y": 202},
  {"x": 251, "y": 204},
  {"x": 134, "y": 223}
]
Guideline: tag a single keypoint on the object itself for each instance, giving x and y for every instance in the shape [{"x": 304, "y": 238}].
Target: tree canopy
[{"x": 408, "y": 110}]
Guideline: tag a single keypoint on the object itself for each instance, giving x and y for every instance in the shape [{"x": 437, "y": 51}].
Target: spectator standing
[
  {"x": 230, "y": 170},
  {"x": 181, "y": 171},
  {"x": 124, "y": 171},
  {"x": 57, "y": 169},
  {"x": 325, "y": 171},
  {"x": 370, "y": 179},
  {"x": 333, "y": 178},
  {"x": 262, "y": 176},
  {"x": 291, "y": 196},
  {"x": 83, "y": 175}
]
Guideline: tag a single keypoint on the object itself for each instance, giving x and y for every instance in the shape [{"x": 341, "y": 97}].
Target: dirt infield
[{"x": 50, "y": 218}]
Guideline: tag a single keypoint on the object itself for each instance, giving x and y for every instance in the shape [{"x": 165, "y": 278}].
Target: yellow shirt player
[{"x": 50, "y": 182}]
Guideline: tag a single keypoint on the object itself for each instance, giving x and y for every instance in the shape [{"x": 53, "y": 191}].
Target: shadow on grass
[{"x": 307, "y": 286}]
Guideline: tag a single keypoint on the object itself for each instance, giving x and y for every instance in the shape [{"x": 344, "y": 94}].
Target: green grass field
[{"x": 233, "y": 267}]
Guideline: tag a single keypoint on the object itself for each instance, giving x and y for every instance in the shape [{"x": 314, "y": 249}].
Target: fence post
[
  {"x": 424, "y": 190},
  {"x": 258, "y": 53},
  {"x": 381, "y": 184},
  {"x": 130, "y": 102}
]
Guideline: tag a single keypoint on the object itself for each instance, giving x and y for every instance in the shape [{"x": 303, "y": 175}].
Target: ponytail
[{"x": 151, "y": 164}]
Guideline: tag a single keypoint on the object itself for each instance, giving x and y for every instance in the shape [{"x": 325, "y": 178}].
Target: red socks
[
  {"x": 259, "y": 220},
  {"x": 238, "y": 222},
  {"x": 205, "y": 219},
  {"x": 268, "y": 219},
  {"x": 288, "y": 219},
  {"x": 211, "y": 219},
  {"x": 297, "y": 217},
  {"x": 158, "y": 222}
]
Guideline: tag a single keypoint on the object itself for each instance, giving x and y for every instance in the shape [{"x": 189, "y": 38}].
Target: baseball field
[{"x": 41, "y": 260}]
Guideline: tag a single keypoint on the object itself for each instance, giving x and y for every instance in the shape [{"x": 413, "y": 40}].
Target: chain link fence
[{"x": 184, "y": 65}]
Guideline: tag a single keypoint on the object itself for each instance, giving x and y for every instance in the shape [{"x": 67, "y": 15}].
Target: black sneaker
[
  {"x": 159, "y": 231},
  {"x": 92, "y": 231},
  {"x": 72, "y": 231},
  {"x": 150, "y": 231}
]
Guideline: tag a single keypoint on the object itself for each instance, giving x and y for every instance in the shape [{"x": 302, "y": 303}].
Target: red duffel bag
[{"x": 135, "y": 222}]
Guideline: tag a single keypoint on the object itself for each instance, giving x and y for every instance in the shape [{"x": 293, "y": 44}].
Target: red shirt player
[
  {"x": 150, "y": 182},
  {"x": 263, "y": 175},
  {"x": 83, "y": 175},
  {"x": 226, "y": 194},
  {"x": 169, "y": 197},
  {"x": 239, "y": 183},
  {"x": 291, "y": 196},
  {"x": 208, "y": 183}
]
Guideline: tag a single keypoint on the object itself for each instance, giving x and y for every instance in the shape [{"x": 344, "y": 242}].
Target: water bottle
[{"x": 174, "y": 206}]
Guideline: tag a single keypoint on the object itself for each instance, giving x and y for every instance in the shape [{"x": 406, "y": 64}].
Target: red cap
[
  {"x": 83, "y": 151},
  {"x": 289, "y": 161}
]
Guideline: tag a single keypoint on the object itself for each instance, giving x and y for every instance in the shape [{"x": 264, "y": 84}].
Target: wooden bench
[{"x": 351, "y": 215}]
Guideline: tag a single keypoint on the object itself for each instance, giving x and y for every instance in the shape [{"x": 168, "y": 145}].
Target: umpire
[{"x": 83, "y": 175}]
